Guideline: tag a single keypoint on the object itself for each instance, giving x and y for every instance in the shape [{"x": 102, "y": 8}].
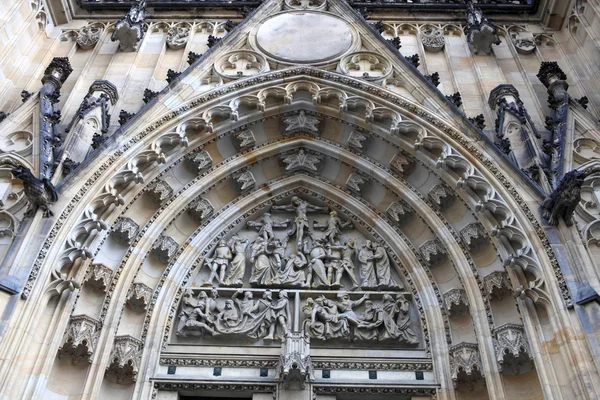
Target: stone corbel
[
  {"x": 200, "y": 209},
  {"x": 80, "y": 340},
  {"x": 357, "y": 182},
  {"x": 199, "y": 162},
  {"x": 399, "y": 212},
  {"x": 244, "y": 181},
  {"x": 358, "y": 140},
  {"x": 441, "y": 197},
  {"x": 432, "y": 38},
  {"x": 512, "y": 350},
  {"x": 402, "y": 164},
  {"x": 164, "y": 248},
  {"x": 301, "y": 122},
  {"x": 456, "y": 303},
  {"x": 244, "y": 140},
  {"x": 295, "y": 368},
  {"x": 138, "y": 297},
  {"x": 99, "y": 277},
  {"x": 159, "y": 192},
  {"x": 497, "y": 285},
  {"x": 302, "y": 160},
  {"x": 124, "y": 231},
  {"x": 433, "y": 252},
  {"x": 125, "y": 358},
  {"x": 474, "y": 237},
  {"x": 465, "y": 362}
]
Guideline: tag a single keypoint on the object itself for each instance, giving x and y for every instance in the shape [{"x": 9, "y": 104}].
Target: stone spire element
[
  {"x": 55, "y": 75},
  {"x": 295, "y": 368},
  {"x": 129, "y": 31},
  {"x": 481, "y": 32}
]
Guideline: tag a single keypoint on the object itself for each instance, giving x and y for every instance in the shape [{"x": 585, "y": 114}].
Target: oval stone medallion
[{"x": 304, "y": 37}]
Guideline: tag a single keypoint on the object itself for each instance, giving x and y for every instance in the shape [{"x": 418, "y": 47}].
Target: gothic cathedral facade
[{"x": 299, "y": 199}]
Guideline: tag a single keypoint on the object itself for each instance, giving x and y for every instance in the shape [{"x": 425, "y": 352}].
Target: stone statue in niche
[
  {"x": 235, "y": 277},
  {"x": 301, "y": 208},
  {"x": 219, "y": 263},
  {"x": 195, "y": 317},
  {"x": 266, "y": 224},
  {"x": 333, "y": 227}
]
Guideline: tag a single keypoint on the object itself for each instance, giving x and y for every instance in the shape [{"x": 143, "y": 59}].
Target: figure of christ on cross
[{"x": 301, "y": 208}]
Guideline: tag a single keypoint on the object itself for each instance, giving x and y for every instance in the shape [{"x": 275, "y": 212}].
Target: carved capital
[
  {"x": 98, "y": 276},
  {"x": 125, "y": 358},
  {"x": 512, "y": 350},
  {"x": 465, "y": 362},
  {"x": 497, "y": 285},
  {"x": 456, "y": 303},
  {"x": 200, "y": 209},
  {"x": 164, "y": 248},
  {"x": 124, "y": 231},
  {"x": 159, "y": 191},
  {"x": 80, "y": 340},
  {"x": 139, "y": 296}
]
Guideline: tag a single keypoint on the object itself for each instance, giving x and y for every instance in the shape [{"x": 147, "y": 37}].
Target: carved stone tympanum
[
  {"x": 125, "y": 358},
  {"x": 124, "y": 230},
  {"x": 465, "y": 362},
  {"x": 512, "y": 350},
  {"x": 164, "y": 248},
  {"x": 80, "y": 339},
  {"x": 98, "y": 277}
]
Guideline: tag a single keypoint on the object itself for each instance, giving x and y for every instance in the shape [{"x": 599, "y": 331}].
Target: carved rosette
[
  {"x": 139, "y": 296},
  {"x": 200, "y": 209},
  {"x": 125, "y": 358},
  {"x": 88, "y": 36},
  {"x": 98, "y": 276},
  {"x": 357, "y": 182},
  {"x": 512, "y": 350},
  {"x": 301, "y": 160},
  {"x": 399, "y": 212},
  {"x": 441, "y": 196},
  {"x": 432, "y": 38},
  {"x": 159, "y": 192},
  {"x": 200, "y": 161},
  {"x": 244, "y": 182},
  {"x": 456, "y": 303},
  {"x": 401, "y": 164},
  {"x": 244, "y": 140},
  {"x": 177, "y": 36},
  {"x": 124, "y": 231},
  {"x": 497, "y": 285},
  {"x": 433, "y": 252},
  {"x": 473, "y": 236},
  {"x": 80, "y": 340},
  {"x": 465, "y": 363},
  {"x": 164, "y": 248},
  {"x": 301, "y": 122}
]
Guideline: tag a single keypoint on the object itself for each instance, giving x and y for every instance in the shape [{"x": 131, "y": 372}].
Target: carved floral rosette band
[{"x": 298, "y": 259}]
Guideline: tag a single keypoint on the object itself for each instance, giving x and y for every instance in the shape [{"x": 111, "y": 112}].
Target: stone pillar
[
  {"x": 554, "y": 79},
  {"x": 54, "y": 76}
]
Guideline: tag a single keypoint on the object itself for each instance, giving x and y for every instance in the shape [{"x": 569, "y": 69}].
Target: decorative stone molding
[
  {"x": 200, "y": 161},
  {"x": 301, "y": 123},
  {"x": 455, "y": 99},
  {"x": 320, "y": 5},
  {"x": 125, "y": 358},
  {"x": 497, "y": 285},
  {"x": 200, "y": 209},
  {"x": 244, "y": 181},
  {"x": 148, "y": 95},
  {"x": 302, "y": 160},
  {"x": 401, "y": 164},
  {"x": 124, "y": 231},
  {"x": 88, "y": 36},
  {"x": 400, "y": 365},
  {"x": 80, "y": 340},
  {"x": 177, "y": 36},
  {"x": 399, "y": 212},
  {"x": 99, "y": 277},
  {"x": 481, "y": 33},
  {"x": 124, "y": 116},
  {"x": 433, "y": 78},
  {"x": 432, "y": 38},
  {"x": 241, "y": 64},
  {"x": 441, "y": 196},
  {"x": 129, "y": 31},
  {"x": 139, "y": 296},
  {"x": 220, "y": 386},
  {"x": 473, "y": 236},
  {"x": 244, "y": 140},
  {"x": 164, "y": 248},
  {"x": 193, "y": 57},
  {"x": 369, "y": 66},
  {"x": 456, "y": 302},
  {"x": 159, "y": 191},
  {"x": 512, "y": 350},
  {"x": 433, "y": 252},
  {"x": 295, "y": 367},
  {"x": 465, "y": 363},
  {"x": 357, "y": 182},
  {"x": 358, "y": 140},
  {"x": 172, "y": 75}
]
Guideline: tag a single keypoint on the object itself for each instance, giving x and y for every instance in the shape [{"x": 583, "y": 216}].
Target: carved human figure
[
  {"x": 348, "y": 254},
  {"x": 277, "y": 315},
  {"x": 317, "y": 275},
  {"x": 301, "y": 208},
  {"x": 323, "y": 319},
  {"x": 267, "y": 258},
  {"x": 346, "y": 306},
  {"x": 383, "y": 268},
  {"x": 235, "y": 277},
  {"x": 219, "y": 263},
  {"x": 334, "y": 265},
  {"x": 345, "y": 254},
  {"x": 195, "y": 315},
  {"x": 229, "y": 318},
  {"x": 333, "y": 227},
  {"x": 368, "y": 277},
  {"x": 293, "y": 274},
  {"x": 398, "y": 309},
  {"x": 266, "y": 224}
]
